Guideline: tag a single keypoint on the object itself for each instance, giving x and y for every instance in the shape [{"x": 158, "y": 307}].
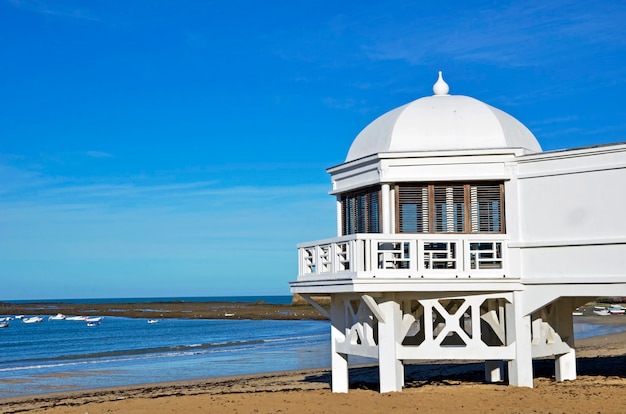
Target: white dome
[{"x": 442, "y": 122}]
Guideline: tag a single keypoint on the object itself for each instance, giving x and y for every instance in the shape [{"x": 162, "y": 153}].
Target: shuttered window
[
  {"x": 413, "y": 208},
  {"x": 360, "y": 211},
  {"x": 450, "y": 208}
]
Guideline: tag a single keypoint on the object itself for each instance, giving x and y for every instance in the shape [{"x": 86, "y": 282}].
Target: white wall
[{"x": 572, "y": 222}]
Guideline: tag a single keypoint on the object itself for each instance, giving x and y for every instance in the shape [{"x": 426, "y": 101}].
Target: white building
[{"x": 459, "y": 239}]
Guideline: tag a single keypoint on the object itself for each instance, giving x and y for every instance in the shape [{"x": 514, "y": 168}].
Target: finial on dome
[{"x": 441, "y": 87}]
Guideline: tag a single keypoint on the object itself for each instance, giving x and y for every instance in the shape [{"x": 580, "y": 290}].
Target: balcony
[{"x": 415, "y": 256}]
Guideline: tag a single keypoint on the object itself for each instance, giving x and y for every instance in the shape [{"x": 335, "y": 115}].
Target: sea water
[{"x": 62, "y": 355}]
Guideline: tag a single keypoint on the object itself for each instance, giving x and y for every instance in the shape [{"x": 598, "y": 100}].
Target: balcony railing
[{"x": 404, "y": 256}]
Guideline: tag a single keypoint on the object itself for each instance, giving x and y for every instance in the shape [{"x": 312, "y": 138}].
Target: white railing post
[{"x": 413, "y": 257}]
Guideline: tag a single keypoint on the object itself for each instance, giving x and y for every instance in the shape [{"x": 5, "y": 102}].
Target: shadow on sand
[{"x": 418, "y": 375}]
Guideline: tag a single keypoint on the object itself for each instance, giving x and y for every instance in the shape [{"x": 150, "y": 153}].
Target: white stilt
[
  {"x": 518, "y": 334},
  {"x": 390, "y": 367},
  {"x": 565, "y": 364},
  {"x": 339, "y": 361},
  {"x": 494, "y": 371}
]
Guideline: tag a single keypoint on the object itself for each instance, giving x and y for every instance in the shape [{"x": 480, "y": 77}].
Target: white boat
[
  {"x": 153, "y": 321},
  {"x": 601, "y": 312},
  {"x": 4, "y": 324},
  {"x": 616, "y": 310},
  {"x": 94, "y": 323},
  {"x": 94, "y": 319},
  {"x": 75, "y": 318},
  {"x": 57, "y": 317},
  {"x": 33, "y": 319},
  {"x": 5, "y": 319}
]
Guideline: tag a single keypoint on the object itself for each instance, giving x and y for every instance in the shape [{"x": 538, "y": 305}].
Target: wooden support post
[
  {"x": 494, "y": 371},
  {"x": 390, "y": 367},
  {"x": 339, "y": 361},
  {"x": 518, "y": 334},
  {"x": 565, "y": 364}
]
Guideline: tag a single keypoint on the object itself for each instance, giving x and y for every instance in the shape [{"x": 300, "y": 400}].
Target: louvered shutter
[
  {"x": 413, "y": 211},
  {"x": 487, "y": 208},
  {"x": 449, "y": 209},
  {"x": 360, "y": 211}
]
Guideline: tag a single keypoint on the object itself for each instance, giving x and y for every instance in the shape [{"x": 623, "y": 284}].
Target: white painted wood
[
  {"x": 565, "y": 364},
  {"x": 374, "y": 308},
  {"x": 339, "y": 360},
  {"x": 391, "y": 370},
  {"x": 386, "y": 209},
  {"x": 494, "y": 371},
  {"x": 518, "y": 334}
]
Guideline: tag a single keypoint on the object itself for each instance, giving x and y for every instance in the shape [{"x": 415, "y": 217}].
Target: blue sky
[{"x": 179, "y": 148}]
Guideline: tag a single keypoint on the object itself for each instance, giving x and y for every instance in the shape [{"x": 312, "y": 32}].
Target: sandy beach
[{"x": 430, "y": 388}]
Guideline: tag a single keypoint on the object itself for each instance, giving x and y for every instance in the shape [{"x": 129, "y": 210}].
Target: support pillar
[
  {"x": 518, "y": 334},
  {"x": 494, "y": 371},
  {"x": 565, "y": 364},
  {"x": 391, "y": 370},
  {"x": 339, "y": 361}
]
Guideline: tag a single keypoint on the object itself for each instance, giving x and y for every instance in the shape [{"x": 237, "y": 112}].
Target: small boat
[
  {"x": 5, "y": 319},
  {"x": 616, "y": 310},
  {"x": 34, "y": 319},
  {"x": 57, "y": 317},
  {"x": 94, "y": 319},
  {"x": 75, "y": 318},
  {"x": 601, "y": 312},
  {"x": 4, "y": 324},
  {"x": 153, "y": 321},
  {"x": 94, "y": 323}
]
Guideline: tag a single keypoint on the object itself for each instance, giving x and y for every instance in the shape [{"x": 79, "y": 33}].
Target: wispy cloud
[
  {"x": 56, "y": 8},
  {"x": 511, "y": 36},
  {"x": 346, "y": 103}
]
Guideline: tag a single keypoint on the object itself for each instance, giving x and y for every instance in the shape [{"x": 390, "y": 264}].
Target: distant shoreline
[
  {"x": 175, "y": 309},
  {"x": 229, "y": 307}
]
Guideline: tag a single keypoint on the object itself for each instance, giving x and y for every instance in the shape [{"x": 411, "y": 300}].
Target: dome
[{"x": 442, "y": 122}]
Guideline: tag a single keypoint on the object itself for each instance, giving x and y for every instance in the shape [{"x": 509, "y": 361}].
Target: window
[
  {"x": 360, "y": 211},
  {"x": 450, "y": 208}
]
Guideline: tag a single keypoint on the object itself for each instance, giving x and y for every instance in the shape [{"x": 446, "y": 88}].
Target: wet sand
[{"x": 430, "y": 388}]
